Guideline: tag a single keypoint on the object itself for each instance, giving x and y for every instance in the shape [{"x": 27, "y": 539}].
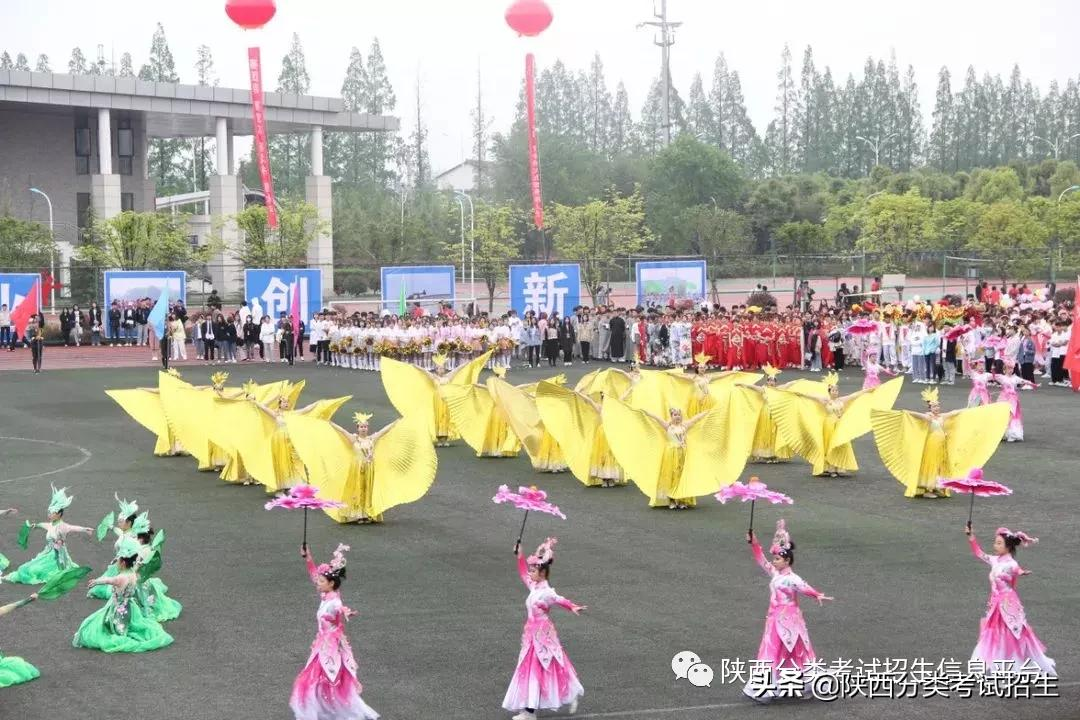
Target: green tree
[
  {"x": 21, "y": 63},
  {"x": 598, "y": 234},
  {"x": 991, "y": 186},
  {"x": 722, "y": 236},
  {"x": 1011, "y": 239},
  {"x": 127, "y": 66},
  {"x": 5, "y": 61},
  {"x": 290, "y": 160},
  {"x": 143, "y": 241},
  {"x": 42, "y": 65},
  {"x": 77, "y": 65},
  {"x": 298, "y": 226},
  {"x": 24, "y": 245},
  {"x": 784, "y": 137},
  {"x": 499, "y": 229},
  {"x": 893, "y": 227},
  {"x": 687, "y": 173},
  {"x": 954, "y": 223},
  {"x": 165, "y": 154}
]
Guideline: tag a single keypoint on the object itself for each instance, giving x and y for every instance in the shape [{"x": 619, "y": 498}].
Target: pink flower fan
[
  {"x": 862, "y": 326},
  {"x": 957, "y": 332},
  {"x": 302, "y": 497},
  {"x": 753, "y": 491},
  {"x": 975, "y": 484},
  {"x": 527, "y": 499}
]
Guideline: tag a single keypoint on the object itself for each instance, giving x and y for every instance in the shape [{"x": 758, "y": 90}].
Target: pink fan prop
[
  {"x": 975, "y": 484},
  {"x": 527, "y": 499},
  {"x": 957, "y": 332},
  {"x": 862, "y": 326},
  {"x": 302, "y": 497},
  {"x": 753, "y": 491}
]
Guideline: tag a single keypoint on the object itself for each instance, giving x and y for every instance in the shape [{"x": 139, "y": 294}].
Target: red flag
[
  {"x": 1072, "y": 355},
  {"x": 294, "y": 309},
  {"x": 534, "y": 153},
  {"x": 262, "y": 147},
  {"x": 28, "y": 308}
]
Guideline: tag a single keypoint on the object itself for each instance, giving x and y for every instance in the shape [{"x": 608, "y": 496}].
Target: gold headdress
[
  {"x": 361, "y": 418},
  {"x": 559, "y": 379},
  {"x": 499, "y": 371},
  {"x": 702, "y": 359},
  {"x": 770, "y": 371},
  {"x": 218, "y": 379},
  {"x": 930, "y": 395},
  {"x": 174, "y": 372},
  {"x": 249, "y": 388},
  {"x": 831, "y": 380},
  {"x": 440, "y": 360}
]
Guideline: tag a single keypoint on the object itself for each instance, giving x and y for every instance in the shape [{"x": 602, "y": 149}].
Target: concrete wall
[{"x": 37, "y": 149}]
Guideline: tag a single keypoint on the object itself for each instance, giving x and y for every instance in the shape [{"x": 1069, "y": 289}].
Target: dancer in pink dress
[
  {"x": 545, "y": 678},
  {"x": 873, "y": 371},
  {"x": 1004, "y": 633},
  {"x": 1009, "y": 384},
  {"x": 327, "y": 688},
  {"x": 979, "y": 395},
  {"x": 786, "y": 641}
]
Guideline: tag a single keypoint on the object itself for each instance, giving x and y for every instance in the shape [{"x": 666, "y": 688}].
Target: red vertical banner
[
  {"x": 262, "y": 146},
  {"x": 534, "y": 152}
]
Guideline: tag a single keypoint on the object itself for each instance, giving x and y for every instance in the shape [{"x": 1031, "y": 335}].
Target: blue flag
[{"x": 157, "y": 316}]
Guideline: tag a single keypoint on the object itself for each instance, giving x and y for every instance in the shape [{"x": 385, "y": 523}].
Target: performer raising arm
[
  {"x": 327, "y": 688},
  {"x": 544, "y": 679},
  {"x": 1004, "y": 633},
  {"x": 54, "y": 557}
]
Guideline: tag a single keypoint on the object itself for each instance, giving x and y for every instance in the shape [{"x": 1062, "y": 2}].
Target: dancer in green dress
[
  {"x": 122, "y": 625},
  {"x": 151, "y": 589},
  {"x": 125, "y": 518},
  {"x": 15, "y": 670},
  {"x": 54, "y": 558},
  {"x": 3, "y": 560}
]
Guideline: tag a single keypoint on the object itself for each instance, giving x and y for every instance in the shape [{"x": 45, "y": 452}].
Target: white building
[{"x": 460, "y": 177}]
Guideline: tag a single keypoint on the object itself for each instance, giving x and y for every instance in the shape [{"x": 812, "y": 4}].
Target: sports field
[{"x": 440, "y": 603}]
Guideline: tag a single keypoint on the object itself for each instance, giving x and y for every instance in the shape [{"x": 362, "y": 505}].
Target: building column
[
  {"x": 104, "y": 186},
  {"x": 316, "y": 151},
  {"x": 222, "y": 145},
  {"x": 318, "y": 191},
  {"x": 224, "y": 205}
]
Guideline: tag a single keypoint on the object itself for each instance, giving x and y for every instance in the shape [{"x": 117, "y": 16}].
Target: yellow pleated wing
[
  {"x": 573, "y": 422},
  {"x": 269, "y": 393},
  {"x": 656, "y": 392},
  {"x": 405, "y": 465},
  {"x": 815, "y": 388},
  {"x": 800, "y": 422},
  {"x": 324, "y": 409},
  {"x": 471, "y": 408},
  {"x": 411, "y": 391},
  {"x": 637, "y": 441},
  {"x": 972, "y": 436},
  {"x": 900, "y": 436},
  {"x": 717, "y": 447},
  {"x": 144, "y": 406},
  {"x": 326, "y": 451},
  {"x": 601, "y": 383},
  {"x": 187, "y": 410},
  {"x": 469, "y": 373},
  {"x": 293, "y": 391},
  {"x": 854, "y": 422},
  {"x": 521, "y": 413},
  {"x": 248, "y": 430}
]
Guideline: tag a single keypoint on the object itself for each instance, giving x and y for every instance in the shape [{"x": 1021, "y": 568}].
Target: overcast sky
[{"x": 445, "y": 43}]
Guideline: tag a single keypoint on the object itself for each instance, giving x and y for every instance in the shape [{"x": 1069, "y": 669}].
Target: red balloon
[
  {"x": 529, "y": 17},
  {"x": 250, "y": 14}
]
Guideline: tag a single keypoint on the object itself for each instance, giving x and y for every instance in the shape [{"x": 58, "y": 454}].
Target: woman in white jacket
[{"x": 268, "y": 335}]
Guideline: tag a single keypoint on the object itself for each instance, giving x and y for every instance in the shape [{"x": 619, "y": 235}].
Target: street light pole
[
  {"x": 1053, "y": 265},
  {"x": 472, "y": 246},
  {"x": 1057, "y": 144},
  {"x": 876, "y": 145},
  {"x": 461, "y": 207},
  {"x": 52, "y": 253}
]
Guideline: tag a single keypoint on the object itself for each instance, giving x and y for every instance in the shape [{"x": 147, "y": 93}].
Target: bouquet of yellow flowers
[
  {"x": 446, "y": 347},
  {"x": 427, "y": 344},
  {"x": 335, "y": 347}
]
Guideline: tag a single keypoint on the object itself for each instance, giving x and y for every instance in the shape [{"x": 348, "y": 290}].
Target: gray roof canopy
[{"x": 175, "y": 110}]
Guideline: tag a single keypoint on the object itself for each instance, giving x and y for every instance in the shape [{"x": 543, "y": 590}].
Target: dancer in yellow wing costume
[
  {"x": 519, "y": 406},
  {"x": 260, "y": 437},
  {"x": 919, "y": 449},
  {"x": 369, "y": 473},
  {"x": 699, "y": 391},
  {"x": 414, "y": 390},
  {"x": 222, "y": 433},
  {"x": 674, "y": 462},
  {"x": 189, "y": 411},
  {"x": 479, "y": 419},
  {"x": 575, "y": 421},
  {"x": 821, "y": 430},
  {"x": 144, "y": 405},
  {"x": 767, "y": 445}
]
